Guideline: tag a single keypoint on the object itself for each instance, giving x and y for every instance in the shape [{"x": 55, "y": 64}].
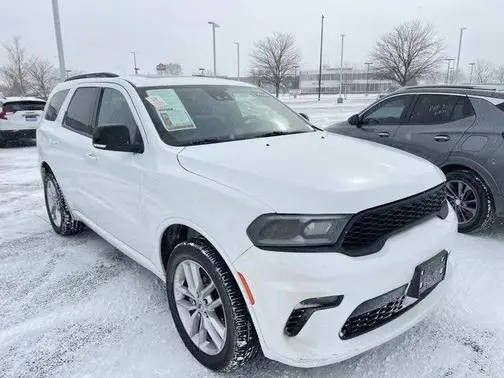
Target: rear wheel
[
  {"x": 61, "y": 220},
  {"x": 472, "y": 200},
  {"x": 207, "y": 307}
]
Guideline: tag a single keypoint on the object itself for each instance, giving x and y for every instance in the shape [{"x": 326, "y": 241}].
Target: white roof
[{"x": 13, "y": 99}]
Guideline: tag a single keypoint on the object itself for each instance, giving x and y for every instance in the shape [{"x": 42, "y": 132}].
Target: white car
[
  {"x": 270, "y": 234},
  {"x": 19, "y": 117}
]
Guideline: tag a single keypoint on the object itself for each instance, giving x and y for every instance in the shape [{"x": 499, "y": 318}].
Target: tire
[
  {"x": 240, "y": 343},
  {"x": 484, "y": 215},
  {"x": 59, "y": 215}
]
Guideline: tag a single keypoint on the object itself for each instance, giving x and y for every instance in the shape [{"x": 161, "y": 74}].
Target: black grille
[
  {"x": 296, "y": 321},
  {"x": 366, "y": 232},
  {"x": 374, "y": 313}
]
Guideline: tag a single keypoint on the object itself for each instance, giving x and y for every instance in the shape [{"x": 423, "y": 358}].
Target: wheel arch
[
  {"x": 476, "y": 168},
  {"x": 175, "y": 230},
  {"x": 45, "y": 168}
]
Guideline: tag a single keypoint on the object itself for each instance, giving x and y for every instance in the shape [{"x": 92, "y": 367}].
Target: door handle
[
  {"x": 441, "y": 138},
  {"x": 53, "y": 142},
  {"x": 91, "y": 155},
  {"x": 384, "y": 134}
]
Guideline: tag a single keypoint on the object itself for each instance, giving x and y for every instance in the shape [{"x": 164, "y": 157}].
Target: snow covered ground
[{"x": 77, "y": 307}]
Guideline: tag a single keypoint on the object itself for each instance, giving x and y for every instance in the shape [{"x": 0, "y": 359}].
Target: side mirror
[
  {"x": 115, "y": 138},
  {"x": 354, "y": 120},
  {"x": 305, "y": 116}
]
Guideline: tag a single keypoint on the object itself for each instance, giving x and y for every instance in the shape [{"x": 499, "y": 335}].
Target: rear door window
[
  {"x": 433, "y": 109},
  {"x": 81, "y": 110},
  {"x": 17, "y": 106},
  {"x": 54, "y": 105}
]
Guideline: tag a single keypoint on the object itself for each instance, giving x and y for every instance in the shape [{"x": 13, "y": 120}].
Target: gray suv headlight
[{"x": 281, "y": 230}]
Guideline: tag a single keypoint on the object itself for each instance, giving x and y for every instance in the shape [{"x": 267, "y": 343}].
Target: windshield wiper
[
  {"x": 207, "y": 141},
  {"x": 277, "y": 133}
]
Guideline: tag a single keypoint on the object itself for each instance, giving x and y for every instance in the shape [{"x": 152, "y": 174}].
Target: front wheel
[
  {"x": 472, "y": 200},
  {"x": 207, "y": 307}
]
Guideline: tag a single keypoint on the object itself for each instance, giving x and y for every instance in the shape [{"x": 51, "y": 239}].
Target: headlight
[{"x": 277, "y": 230}]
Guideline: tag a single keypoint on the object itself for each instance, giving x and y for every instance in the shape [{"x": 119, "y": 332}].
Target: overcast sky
[{"x": 98, "y": 35}]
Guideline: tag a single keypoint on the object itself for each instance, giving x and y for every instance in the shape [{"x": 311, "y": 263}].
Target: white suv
[
  {"x": 269, "y": 233},
  {"x": 19, "y": 117}
]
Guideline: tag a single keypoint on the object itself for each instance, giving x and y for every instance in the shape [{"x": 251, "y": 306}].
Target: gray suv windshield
[{"x": 189, "y": 115}]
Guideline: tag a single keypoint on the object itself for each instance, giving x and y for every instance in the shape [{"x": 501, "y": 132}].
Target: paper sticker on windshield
[
  {"x": 170, "y": 109},
  {"x": 156, "y": 101}
]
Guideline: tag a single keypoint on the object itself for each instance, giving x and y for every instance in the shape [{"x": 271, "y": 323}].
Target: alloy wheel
[
  {"x": 464, "y": 200},
  {"x": 200, "y": 307}
]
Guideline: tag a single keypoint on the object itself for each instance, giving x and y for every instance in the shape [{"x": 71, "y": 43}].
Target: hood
[{"x": 316, "y": 172}]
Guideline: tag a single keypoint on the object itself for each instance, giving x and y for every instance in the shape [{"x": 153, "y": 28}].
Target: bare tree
[
  {"x": 499, "y": 74},
  {"x": 483, "y": 71},
  {"x": 43, "y": 77},
  {"x": 173, "y": 69},
  {"x": 410, "y": 52},
  {"x": 275, "y": 58},
  {"x": 257, "y": 76},
  {"x": 15, "y": 73}
]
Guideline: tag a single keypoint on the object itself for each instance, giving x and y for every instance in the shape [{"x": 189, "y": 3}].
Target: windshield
[{"x": 190, "y": 115}]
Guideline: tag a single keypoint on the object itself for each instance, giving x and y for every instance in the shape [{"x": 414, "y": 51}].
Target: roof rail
[
  {"x": 92, "y": 75},
  {"x": 446, "y": 86}
]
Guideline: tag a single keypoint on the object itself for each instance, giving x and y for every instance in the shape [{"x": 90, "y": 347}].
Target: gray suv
[{"x": 460, "y": 129}]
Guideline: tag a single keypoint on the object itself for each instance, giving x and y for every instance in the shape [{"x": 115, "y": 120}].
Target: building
[{"x": 354, "y": 81}]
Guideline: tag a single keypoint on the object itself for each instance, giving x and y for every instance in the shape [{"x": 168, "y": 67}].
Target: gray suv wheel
[{"x": 471, "y": 199}]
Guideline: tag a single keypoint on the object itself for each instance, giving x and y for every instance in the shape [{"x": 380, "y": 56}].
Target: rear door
[
  {"x": 72, "y": 143},
  {"x": 380, "y": 123},
  {"x": 22, "y": 115},
  {"x": 435, "y": 125}
]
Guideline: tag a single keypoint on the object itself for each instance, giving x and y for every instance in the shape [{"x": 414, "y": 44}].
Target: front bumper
[{"x": 281, "y": 280}]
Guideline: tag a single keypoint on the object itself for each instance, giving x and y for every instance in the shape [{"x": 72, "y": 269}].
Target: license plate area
[{"x": 428, "y": 275}]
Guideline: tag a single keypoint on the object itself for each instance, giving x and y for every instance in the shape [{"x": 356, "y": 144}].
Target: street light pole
[
  {"x": 367, "y": 77},
  {"x": 320, "y": 63},
  {"x": 238, "y": 58},
  {"x": 472, "y": 68},
  {"x": 59, "y": 39},
  {"x": 295, "y": 72},
  {"x": 340, "y": 99},
  {"x": 449, "y": 60},
  {"x": 214, "y": 25},
  {"x": 135, "y": 68},
  {"x": 458, "y": 55}
]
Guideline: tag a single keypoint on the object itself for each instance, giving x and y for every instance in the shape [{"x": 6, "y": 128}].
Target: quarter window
[
  {"x": 81, "y": 110},
  {"x": 388, "y": 111},
  {"x": 114, "y": 110},
  {"x": 431, "y": 109},
  {"x": 462, "y": 109},
  {"x": 54, "y": 105}
]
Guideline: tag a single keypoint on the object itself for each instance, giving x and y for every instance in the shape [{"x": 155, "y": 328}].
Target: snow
[{"x": 75, "y": 306}]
